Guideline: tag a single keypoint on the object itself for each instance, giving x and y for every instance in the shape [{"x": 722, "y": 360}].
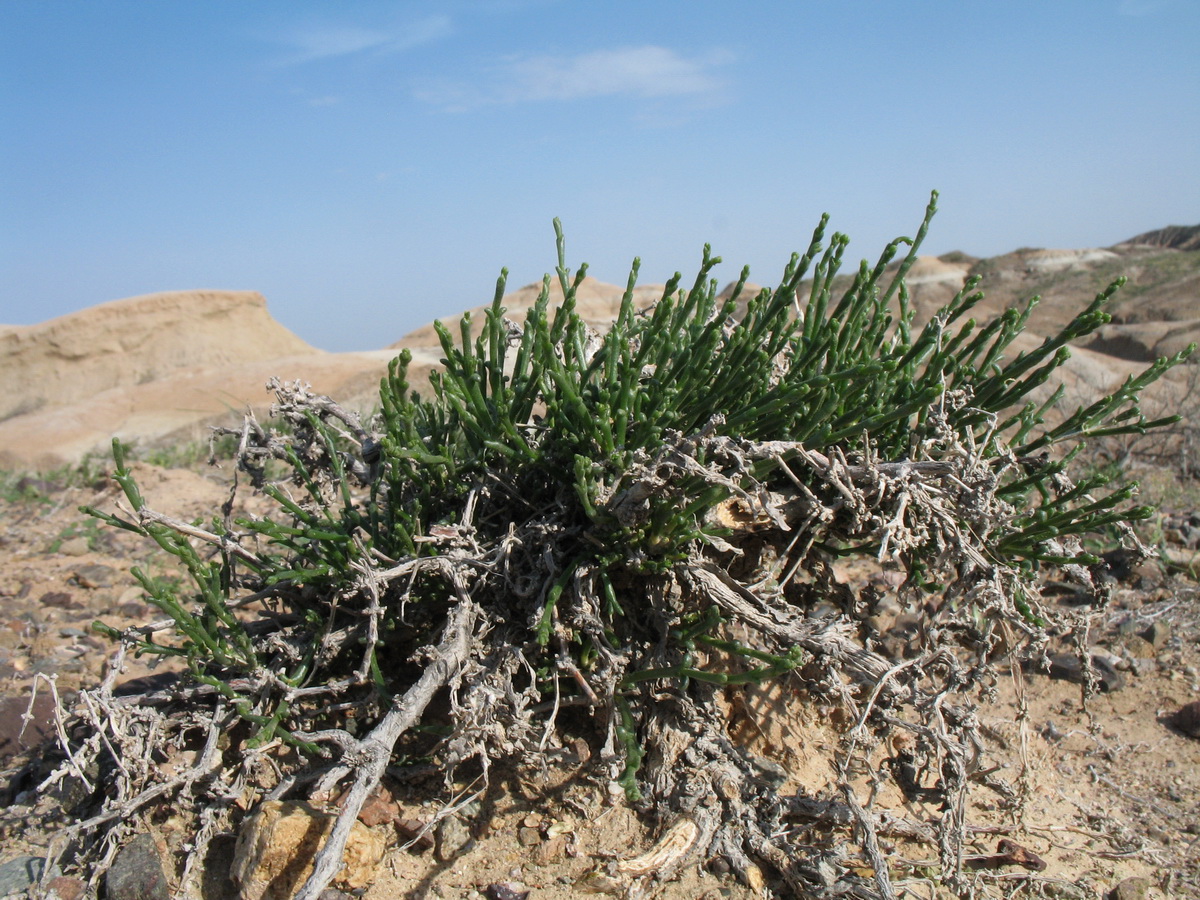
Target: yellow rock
[{"x": 279, "y": 841}]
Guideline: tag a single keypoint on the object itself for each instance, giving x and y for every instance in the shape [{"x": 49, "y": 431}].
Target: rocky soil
[{"x": 1112, "y": 792}]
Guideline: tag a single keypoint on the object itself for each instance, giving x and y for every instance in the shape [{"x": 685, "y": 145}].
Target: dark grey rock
[
  {"x": 1187, "y": 719},
  {"x": 1063, "y": 891},
  {"x": 1066, "y": 666},
  {"x": 1158, "y": 634},
  {"x": 1143, "y": 667},
  {"x": 137, "y": 872},
  {"x": 19, "y": 873},
  {"x": 1131, "y": 889},
  {"x": 12, "y": 723},
  {"x": 57, "y": 600},
  {"x": 95, "y": 576},
  {"x": 452, "y": 838},
  {"x": 506, "y": 890}
]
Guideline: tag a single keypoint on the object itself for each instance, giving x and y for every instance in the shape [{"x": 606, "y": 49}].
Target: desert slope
[
  {"x": 161, "y": 367},
  {"x": 595, "y": 300}
]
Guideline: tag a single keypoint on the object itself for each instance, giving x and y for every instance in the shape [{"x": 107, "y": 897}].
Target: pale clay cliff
[
  {"x": 136, "y": 341},
  {"x": 151, "y": 368}
]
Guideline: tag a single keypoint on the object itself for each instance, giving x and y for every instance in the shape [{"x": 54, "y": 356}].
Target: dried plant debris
[{"x": 606, "y": 535}]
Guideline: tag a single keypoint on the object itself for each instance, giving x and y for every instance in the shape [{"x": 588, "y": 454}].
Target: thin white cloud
[
  {"x": 645, "y": 72},
  {"x": 426, "y": 31},
  {"x": 315, "y": 43},
  {"x": 638, "y": 71}
]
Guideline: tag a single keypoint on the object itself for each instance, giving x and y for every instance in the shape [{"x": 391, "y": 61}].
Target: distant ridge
[
  {"x": 1175, "y": 237},
  {"x": 162, "y": 367}
]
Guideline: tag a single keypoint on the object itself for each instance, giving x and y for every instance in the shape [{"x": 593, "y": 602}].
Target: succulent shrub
[{"x": 617, "y": 528}]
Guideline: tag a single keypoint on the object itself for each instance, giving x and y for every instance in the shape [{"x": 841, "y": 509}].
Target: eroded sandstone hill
[
  {"x": 135, "y": 341},
  {"x": 153, "y": 368},
  {"x": 160, "y": 368}
]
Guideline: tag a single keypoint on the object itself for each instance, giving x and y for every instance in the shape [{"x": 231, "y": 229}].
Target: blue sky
[{"x": 370, "y": 166}]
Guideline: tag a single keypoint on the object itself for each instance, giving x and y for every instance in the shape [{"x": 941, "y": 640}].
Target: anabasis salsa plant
[{"x": 612, "y": 529}]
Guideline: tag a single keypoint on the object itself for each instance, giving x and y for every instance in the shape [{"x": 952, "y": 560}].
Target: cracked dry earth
[{"x": 1113, "y": 793}]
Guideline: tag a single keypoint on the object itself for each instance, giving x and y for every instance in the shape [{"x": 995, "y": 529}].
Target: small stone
[
  {"x": 137, "y": 872},
  {"x": 1158, "y": 634},
  {"x": 528, "y": 837},
  {"x": 65, "y": 888},
  {"x": 1066, "y": 666},
  {"x": 71, "y": 791},
  {"x": 58, "y": 600},
  {"x": 17, "y": 734},
  {"x": 506, "y": 890},
  {"x": 279, "y": 841},
  {"x": 19, "y": 873},
  {"x": 550, "y": 850},
  {"x": 583, "y": 750},
  {"x": 97, "y": 576},
  {"x": 1131, "y": 889},
  {"x": 452, "y": 837},
  {"x": 379, "y": 808},
  {"x": 1187, "y": 719},
  {"x": 412, "y": 829},
  {"x": 76, "y": 546},
  {"x": 719, "y": 866},
  {"x": 1065, "y": 891},
  {"x": 1137, "y": 646}
]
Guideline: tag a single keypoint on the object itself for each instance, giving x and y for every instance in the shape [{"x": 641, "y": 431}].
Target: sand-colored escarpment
[
  {"x": 136, "y": 341},
  {"x": 155, "y": 368}
]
